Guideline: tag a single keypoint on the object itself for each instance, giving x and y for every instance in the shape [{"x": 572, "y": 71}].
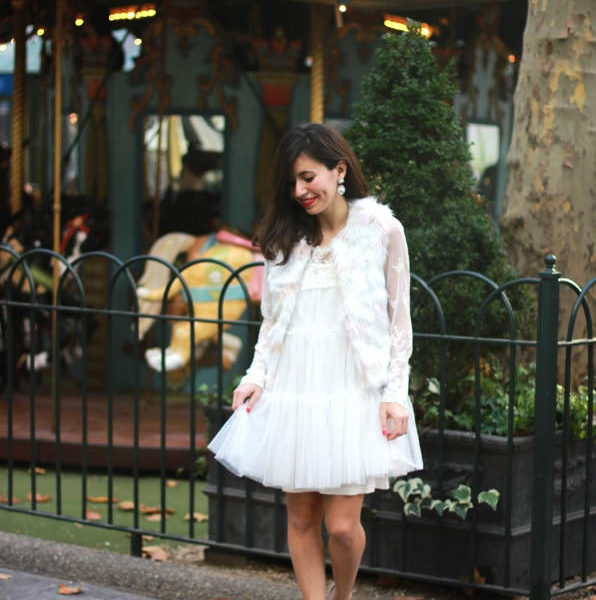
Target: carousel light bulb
[
  {"x": 138, "y": 41},
  {"x": 342, "y": 8},
  {"x": 425, "y": 30},
  {"x": 131, "y": 14},
  {"x": 79, "y": 21},
  {"x": 40, "y": 31}
]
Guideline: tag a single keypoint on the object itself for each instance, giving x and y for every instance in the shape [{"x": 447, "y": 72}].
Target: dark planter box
[{"x": 496, "y": 543}]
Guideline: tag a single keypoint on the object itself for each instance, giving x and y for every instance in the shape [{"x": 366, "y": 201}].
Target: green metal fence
[{"x": 539, "y": 541}]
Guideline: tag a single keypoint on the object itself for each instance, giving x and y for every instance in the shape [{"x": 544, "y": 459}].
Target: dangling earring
[{"x": 341, "y": 188}]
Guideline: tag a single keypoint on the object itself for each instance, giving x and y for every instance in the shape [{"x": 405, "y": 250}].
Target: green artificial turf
[{"x": 97, "y": 487}]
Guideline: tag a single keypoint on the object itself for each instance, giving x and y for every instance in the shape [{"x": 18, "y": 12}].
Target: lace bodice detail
[{"x": 320, "y": 270}]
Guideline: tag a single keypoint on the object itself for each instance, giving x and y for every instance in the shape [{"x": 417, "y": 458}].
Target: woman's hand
[
  {"x": 398, "y": 414},
  {"x": 245, "y": 392}
]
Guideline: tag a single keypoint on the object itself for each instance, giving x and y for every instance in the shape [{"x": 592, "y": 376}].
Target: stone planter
[{"x": 496, "y": 543}]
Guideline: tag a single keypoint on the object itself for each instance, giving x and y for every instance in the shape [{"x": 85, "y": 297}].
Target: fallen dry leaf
[
  {"x": 93, "y": 515},
  {"x": 5, "y": 576},
  {"x": 171, "y": 483},
  {"x": 478, "y": 578},
  {"x": 100, "y": 499},
  {"x": 69, "y": 590},
  {"x": 155, "y": 517},
  {"x": 151, "y": 510},
  {"x": 154, "y": 553},
  {"x": 5, "y": 500},
  {"x": 38, "y": 471},
  {"x": 198, "y": 517},
  {"x": 40, "y": 497},
  {"x": 126, "y": 505}
]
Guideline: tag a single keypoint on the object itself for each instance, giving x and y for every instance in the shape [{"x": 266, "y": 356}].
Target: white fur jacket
[{"x": 371, "y": 259}]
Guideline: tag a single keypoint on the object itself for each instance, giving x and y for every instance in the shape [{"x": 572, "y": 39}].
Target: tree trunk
[{"x": 550, "y": 200}]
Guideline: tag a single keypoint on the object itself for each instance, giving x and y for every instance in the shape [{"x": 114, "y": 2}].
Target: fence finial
[{"x": 550, "y": 260}]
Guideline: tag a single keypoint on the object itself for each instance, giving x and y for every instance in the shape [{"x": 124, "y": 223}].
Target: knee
[
  {"x": 304, "y": 522},
  {"x": 343, "y": 531}
]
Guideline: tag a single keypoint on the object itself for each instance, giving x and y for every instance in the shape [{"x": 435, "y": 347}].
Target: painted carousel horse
[
  {"x": 205, "y": 281},
  {"x": 83, "y": 228}
]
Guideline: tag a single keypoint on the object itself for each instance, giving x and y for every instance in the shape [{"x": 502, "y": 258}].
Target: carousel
[{"x": 147, "y": 130}]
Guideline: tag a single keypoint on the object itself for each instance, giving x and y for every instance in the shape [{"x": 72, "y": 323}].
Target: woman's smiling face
[{"x": 314, "y": 186}]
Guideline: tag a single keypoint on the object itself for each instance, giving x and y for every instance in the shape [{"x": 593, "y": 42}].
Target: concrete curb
[{"x": 157, "y": 580}]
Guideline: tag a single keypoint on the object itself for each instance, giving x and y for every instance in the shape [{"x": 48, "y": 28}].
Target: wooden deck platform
[{"x": 43, "y": 444}]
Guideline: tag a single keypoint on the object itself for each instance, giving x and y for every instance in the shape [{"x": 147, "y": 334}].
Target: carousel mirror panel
[{"x": 183, "y": 172}]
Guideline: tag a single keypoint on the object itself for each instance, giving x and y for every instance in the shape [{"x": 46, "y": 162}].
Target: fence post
[{"x": 544, "y": 431}]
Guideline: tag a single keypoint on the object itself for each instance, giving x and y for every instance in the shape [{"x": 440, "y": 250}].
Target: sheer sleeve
[
  {"x": 397, "y": 276},
  {"x": 258, "y": 368}
]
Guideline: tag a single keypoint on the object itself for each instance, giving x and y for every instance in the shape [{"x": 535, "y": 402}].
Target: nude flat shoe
[{"x": 331, "y": 592}]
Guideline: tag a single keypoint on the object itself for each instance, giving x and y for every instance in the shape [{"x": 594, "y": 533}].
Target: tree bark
[{"x": 550, "y": 203}]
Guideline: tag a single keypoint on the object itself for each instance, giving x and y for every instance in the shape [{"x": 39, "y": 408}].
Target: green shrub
[
  {"x": 411, "y": 146},
  {"x": 494, "y": 400}
]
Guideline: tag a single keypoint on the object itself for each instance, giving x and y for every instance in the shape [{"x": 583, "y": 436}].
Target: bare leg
[
  {"x": 346, "y": 541},
  {"x": 305, "y": 515}
]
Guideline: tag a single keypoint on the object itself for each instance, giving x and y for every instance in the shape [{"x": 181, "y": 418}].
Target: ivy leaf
[
  {"x": 417, "y": 486},
  {"x": 402, "y": 487},
  {"x": 490, "y": 497},
  {"x": 412, "y": 509},
  {"x": 438, "y": 506},
  {"x": 461, "y": 510},
  {"x": 462, "y": 493},
  {"x": 427, "y": 503},
  {"x": 433, "y": 385}
]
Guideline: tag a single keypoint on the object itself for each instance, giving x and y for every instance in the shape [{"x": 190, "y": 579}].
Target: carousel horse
[
  {"x": 84, "y": 227},
  {"x": 205, "y": 281}
]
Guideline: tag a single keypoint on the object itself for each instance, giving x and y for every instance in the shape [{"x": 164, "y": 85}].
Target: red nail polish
[
  {"x": 248, "y": 409},
  {"x": 384, "y": 432}
]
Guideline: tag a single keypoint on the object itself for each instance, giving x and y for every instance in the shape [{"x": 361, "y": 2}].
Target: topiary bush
[{"x": 411, "y": 146}]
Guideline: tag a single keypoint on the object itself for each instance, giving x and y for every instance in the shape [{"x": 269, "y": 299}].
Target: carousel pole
[
  {"x": 57, "y": 43},
  {"x": 317, "y": 79},
  {"x": 160, "y": 117},
  {"x": 18, "y": 106},
  {"x": 57, "y": 50}
]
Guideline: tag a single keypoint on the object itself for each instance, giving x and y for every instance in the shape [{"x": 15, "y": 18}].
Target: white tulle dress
[{"x": 316, "y": 426}]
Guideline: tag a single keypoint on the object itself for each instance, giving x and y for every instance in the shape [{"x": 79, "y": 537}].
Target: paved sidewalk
[
  {"x": 28, "y": 586},
  {"x": 39, "y": 566}
]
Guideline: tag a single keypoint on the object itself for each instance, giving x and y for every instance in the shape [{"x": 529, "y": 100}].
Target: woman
[{"x": 323, "y": 411}]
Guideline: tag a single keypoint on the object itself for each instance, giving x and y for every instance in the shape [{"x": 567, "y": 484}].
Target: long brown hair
[{"x": 284, "y": 222}]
